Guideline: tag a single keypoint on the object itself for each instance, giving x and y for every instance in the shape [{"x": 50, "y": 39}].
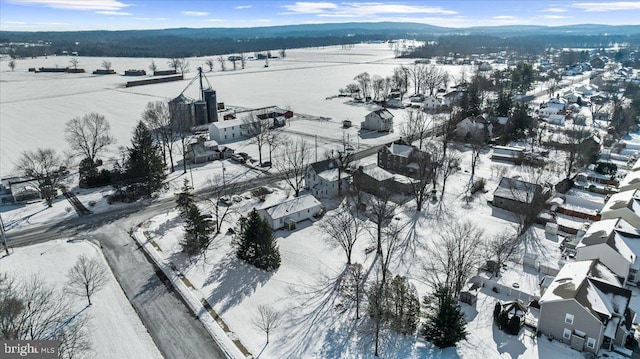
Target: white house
[
  {"x": 616, "y": 244},
  {"x": 228, "y": 130},
  {"x": 378, "y": 120},
  {"x": 291, "y": 211},
  {"x": 473, "y": 124},
  {"x": 431, "y": 103},
  {"x": 624, "y": 205},
  {"x": 321, "y": 179},
  {"x": 630, "y": 182}
]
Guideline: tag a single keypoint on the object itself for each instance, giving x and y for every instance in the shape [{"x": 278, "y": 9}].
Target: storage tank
[
  {"x": 181, "y": 109},
  {"x": 200, "y": 112},
  {"x": 212, "y": 107}
]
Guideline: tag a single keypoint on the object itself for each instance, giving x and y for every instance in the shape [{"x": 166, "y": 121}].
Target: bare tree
[
  {"x": 209, "y": 63},
  {"x": 74, "y": 62},
  {"x": 422, "y": 178},
  {"x": 88, "y": 135},
  {"x": 527, "y": 189},
  {"x": 377, "y": 87},
  {"x": 364, "y": 81},
  {"x": 223, "y": 64},
  {"x": 267, "y": 319},
  {"x": 183, "y": 66},
  {"x": 351, "y": 285},
  {"x": 106, "y": 65},
  {"x": 400, "y": 80},
  {"x": 86, "y": 277},
  {"x": 381, "y": 211},
  {"x": 258, "y": 131},
  {"x": 453, "y": 256},
  {"x": 158, "y": 118},
  {"x": 476, "y": 141},
  {"x": 292, "y": 166},
  {"x": 416, "y": 127},
  {"x": 433, "y": 78},
  {"x": 342, "y": 228},
  {"x": 234, "y": 61},
  {"x": 12, "y": 64},
  {"x": 220, "y": 188},
  {"x": 46, "y": 168},
  {"x": 576, "y": 136},
  {"x": 33, "y": 310},
  {"x": 153, "y": 67},
  {"x": 243, "y": 60},
  {"x": 274, "y": 140},
  {"x": 501, "y": 247},
  {"x": 174, "y": 63}
]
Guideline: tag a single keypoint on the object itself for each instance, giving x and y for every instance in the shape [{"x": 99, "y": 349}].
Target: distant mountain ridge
[{"x": 187, "y": 42}]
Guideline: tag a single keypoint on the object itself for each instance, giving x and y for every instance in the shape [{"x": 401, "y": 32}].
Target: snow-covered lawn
[
  {"x": 115, "y": 331},
  {"x": 316, "y": 321}
]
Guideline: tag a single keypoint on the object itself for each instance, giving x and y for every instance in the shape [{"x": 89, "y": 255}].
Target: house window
[
  {"x": 225, "y": 137},
  {"x": 591, "y": 343},
  {"x": 568, "y": 318},
  {"x": 566, "y": 334},
  {"x": 280, "y": 220}
]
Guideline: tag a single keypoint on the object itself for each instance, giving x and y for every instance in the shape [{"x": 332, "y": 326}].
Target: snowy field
[
  {"x": 115, "y": 331},
  {"x": 302, "y": 288},
  {"x": 35, "y": 106}
]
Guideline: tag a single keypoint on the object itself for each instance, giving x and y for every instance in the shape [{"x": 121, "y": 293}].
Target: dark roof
[{"x": 322, "y": 166}]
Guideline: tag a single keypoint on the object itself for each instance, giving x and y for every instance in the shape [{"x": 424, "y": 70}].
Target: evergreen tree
[
  {"x": 256, "y": 245},
  {"x": 144, "y": 169},
  {"x": 445, "y": 324},
  {"x": 184, "y": 199},
  {"x": 504, "y": 105},
  {"x": 197, "y": 231}
]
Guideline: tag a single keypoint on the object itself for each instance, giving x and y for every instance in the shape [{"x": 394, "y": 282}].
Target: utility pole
[
  {"x": 4, "y": 236},
  {"x": 316, "y": 142}
]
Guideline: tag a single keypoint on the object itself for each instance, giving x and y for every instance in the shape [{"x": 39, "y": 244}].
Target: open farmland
[{"x": 35, "y": 106}]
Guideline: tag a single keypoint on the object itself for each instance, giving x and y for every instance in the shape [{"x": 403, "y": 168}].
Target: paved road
[{"x": 176, "y": 332}]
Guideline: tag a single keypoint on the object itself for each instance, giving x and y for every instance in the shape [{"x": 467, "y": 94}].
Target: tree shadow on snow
[
  {"x": 234, "y": 281},
  {"x": 505, "y": 343}
]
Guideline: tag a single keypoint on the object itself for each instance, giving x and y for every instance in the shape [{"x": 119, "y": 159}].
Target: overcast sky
[{"x": 71, "y": 15}]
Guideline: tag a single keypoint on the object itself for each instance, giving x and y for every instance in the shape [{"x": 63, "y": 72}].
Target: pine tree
[
  {"x": 184, "y": 199},
  {"x": 256, "y": 245},
  {"x": 144, "y": 169},
  {"x": 445, "y": 324},
  {"x": 197, "y": 231}
]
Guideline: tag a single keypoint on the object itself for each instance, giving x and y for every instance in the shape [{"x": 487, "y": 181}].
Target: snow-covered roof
[
  {"x": 636, "y": 166},
  {"x": 293, "y": 205},
  {"x": 228, "y": 123},
  {"x": 631, "y": 179},
  {"x": 383, "y": 113},
  {"x": 591, "y": 284},
  {"x": 627, "y": 199},
  {"x": 400, "y": 150},
  {"x": 615, "y": 233},
  {"x": 517, "y": 190},
  {"x": 376, "y": 172}
]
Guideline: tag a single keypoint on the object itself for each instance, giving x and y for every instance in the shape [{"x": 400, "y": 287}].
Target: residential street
[{"x": 176, "y": 332}]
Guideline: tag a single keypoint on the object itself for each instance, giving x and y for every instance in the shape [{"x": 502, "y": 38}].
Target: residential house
[
  {"x": 616, "y": 244},
  {"x": 379, "y": 120},
  {"x": 431, "y": 104},
  {"x": 586, "y": 308},
  {"x": 452, "y": 97},
  {"x": 624, "y": 205},
  {"x": 517, "y": 196},
  {"x": 400, "y": 157},
  {"x": 291, "y": 211},
  {"x": 630, "y": 182},
  {"x": 321, "y": 179},
  {"x": 556, "y": 119},
  {"x": 200, "y": 151},
  {"x": 18, "y": 189},
  {"x": 378, "y": 181},
  {"x": 478, "y": 124}
]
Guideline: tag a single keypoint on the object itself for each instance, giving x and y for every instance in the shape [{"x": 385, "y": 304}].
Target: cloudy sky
[{"x": 69, "y": 15}]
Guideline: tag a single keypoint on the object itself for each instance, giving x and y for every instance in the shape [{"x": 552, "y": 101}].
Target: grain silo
[
  {"x": 200, "y": 113},
  {"x": 212, "y": 106},
  {"x": 181, "y": 110}
]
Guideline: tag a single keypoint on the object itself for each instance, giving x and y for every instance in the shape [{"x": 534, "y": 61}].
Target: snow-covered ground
[
  {"x": 35, "y": 106},
  {"x": 302, "y": 288},
  {"x": 115, "y": 331}
]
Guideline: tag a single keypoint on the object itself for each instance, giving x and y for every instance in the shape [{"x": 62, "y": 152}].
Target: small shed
[{"x": 469, "y": 294}]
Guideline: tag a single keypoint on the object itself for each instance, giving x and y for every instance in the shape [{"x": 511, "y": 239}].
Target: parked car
[
  {"x": 238, "y": 158},
  {"x": 265, "y": 164},
  {"x": 243, "y": 155},
  {"x": 225, "y": 201}
]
